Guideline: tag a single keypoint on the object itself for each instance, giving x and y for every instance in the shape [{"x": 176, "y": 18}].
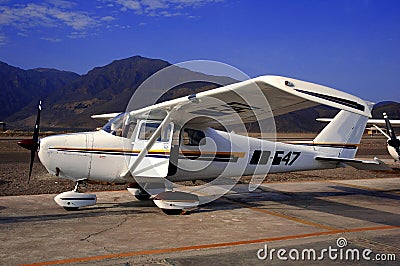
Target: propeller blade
[
  {"x": 393, "y": 141},
  {"x": 36, "y": 130},
  {"x": 32, "y": 144},
  {"x": 33, "y": 152},
  {"x": 389, "y": 127}
]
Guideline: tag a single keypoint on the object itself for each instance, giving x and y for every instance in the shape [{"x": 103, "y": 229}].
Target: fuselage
[{"x": 101, "y": 156}]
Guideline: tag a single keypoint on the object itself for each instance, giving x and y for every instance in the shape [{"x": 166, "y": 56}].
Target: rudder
[{"x": 342, "y": 136}]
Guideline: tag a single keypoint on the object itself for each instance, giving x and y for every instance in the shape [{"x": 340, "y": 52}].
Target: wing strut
[{"x": 133, "y": 165}]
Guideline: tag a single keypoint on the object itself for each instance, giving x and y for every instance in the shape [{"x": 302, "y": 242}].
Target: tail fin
[{"x": 342, "y": 136}]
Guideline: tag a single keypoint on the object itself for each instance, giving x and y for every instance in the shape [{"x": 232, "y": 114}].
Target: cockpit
[
  {"x": 121, "y": 126},
  {"x": 124, "y": 126}
]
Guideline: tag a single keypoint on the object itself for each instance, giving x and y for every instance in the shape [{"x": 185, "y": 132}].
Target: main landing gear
[
  {"x": 170, "y": 202},
  {"x": 139, "y": 194},
  {"x": 73, "y": 200},
  {"x": 176, "y": 202}
]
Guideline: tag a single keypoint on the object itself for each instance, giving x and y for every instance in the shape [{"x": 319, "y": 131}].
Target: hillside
[
  {"x": 69, "y": 99},
  {"x": 21, "y": 87},
  {"x": 103, "y": 90}
]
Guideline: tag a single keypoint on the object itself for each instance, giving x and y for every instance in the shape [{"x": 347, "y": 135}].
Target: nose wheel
[{"x": 73, "y": 200}]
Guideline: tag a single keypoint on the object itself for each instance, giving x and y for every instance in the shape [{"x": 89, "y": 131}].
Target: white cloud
[
  {"x": 51, "y": 39},
  {"x": 3, "y": 40},
  {"x": 77, "y": 35},
  {"x": 76, "y": 20},
  {"x": 62, "y": 3},
  {"x": 23, "y": 34},
  {"x": 107, "y": 18},
  {"x": 129, "y": 5},
  {"x": 53, "y": 13},
  {"x": 154, "y": 4},
  {"x": 166, "y": 8},
  {"x": 69, "y": 17}
]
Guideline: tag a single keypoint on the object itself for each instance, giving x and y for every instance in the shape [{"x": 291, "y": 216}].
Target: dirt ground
[{"x": 14, "y": 168}]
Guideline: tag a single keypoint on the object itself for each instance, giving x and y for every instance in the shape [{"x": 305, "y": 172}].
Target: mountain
[
  {"x": 391, "y": 108},
  {"x": 20, "y": 87},
  {"x": 107, "y": 89},
  {"x": 69, "y": 99}
]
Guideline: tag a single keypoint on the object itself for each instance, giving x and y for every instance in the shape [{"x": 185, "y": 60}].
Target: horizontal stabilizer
[
  {"x": 380, "y": 122},
  {"x": 376, "y": 164}
]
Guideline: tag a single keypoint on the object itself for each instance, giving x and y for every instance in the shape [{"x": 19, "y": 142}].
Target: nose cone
[
  {"x": 28, "y": 144},
  {"x": 48, "y": 152},
  {"x": 43, "y": 151}
]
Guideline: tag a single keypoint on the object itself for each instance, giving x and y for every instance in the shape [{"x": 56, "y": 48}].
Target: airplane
[
  {"x": 393, "y": 142},
  {"x": 181, "y": 140}
]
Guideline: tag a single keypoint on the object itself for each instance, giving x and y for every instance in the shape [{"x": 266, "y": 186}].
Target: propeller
[
  {"x": 32, "y": 144},
  {"x": 393, "y": 141}
]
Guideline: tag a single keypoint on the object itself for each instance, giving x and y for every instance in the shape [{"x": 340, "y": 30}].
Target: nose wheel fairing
[{"x": 72, "y": 200}]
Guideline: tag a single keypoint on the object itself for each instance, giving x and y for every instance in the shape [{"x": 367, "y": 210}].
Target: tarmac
[{"x": 239, "y": 228}]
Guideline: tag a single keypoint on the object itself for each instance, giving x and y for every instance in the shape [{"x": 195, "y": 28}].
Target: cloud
[
  {"x": 165, "y": 8},
  {"x": 128, "y": 4},
  {"x": 51, "y": 39},
  {"x": 77, "y": 35},
  {"x": 3, "y": 40},
  {"x": 107, "y": 18},
  {"x": 62, "y": 3},
  {"x": 53, "y": 13},
  {"x": 71, "y": 20}
]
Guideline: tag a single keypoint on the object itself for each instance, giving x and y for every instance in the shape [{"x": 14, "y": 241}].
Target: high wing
[
  {"x": 249, "y": 100},
  {"x": 106, "y": 117}
]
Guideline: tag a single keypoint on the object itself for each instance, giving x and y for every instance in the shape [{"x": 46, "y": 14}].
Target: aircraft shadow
[
  {"x": 272, "y": 199},
  {"x": 101, "y": 210}
]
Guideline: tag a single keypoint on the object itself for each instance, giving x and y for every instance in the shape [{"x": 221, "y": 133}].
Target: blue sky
[{"x": 352, "y": 45}]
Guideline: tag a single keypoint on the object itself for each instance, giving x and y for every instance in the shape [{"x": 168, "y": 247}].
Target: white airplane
[
  {"x": 175, "y": 141},
  {"x": 393, "y": 142}
]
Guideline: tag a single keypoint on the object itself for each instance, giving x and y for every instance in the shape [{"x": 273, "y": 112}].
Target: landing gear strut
[
  {"x": 78, "y": 183},
  {"x": 138, "y": 192}
]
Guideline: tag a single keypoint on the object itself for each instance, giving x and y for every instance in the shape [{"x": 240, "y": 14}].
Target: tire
[
  {"x": 71, "y": 208},
  {"x": 143, "y": 196},
  {"x": 173, "y": 211}
]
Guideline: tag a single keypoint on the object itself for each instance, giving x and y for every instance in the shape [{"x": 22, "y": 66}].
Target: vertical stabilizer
[{"x": 342, "y": 136}]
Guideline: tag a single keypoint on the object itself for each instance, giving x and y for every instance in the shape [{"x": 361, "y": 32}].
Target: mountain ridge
[{"x": 70, "y": 99}]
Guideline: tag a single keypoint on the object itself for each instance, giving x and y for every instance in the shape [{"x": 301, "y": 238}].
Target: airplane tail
[{"x": 342, "y": 136}]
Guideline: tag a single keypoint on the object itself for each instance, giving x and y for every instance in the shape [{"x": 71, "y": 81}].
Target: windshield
[{"x": 122, "y": 125}]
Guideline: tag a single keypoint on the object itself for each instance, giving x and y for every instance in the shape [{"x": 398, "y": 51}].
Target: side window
[
  {"x": 166, "y": 133},
  {"x": 193, "y": 137},
  {"x": 148, "y": 129}
]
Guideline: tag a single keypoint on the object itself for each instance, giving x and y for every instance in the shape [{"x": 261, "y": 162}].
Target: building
[{"x": 2, "y": 126}]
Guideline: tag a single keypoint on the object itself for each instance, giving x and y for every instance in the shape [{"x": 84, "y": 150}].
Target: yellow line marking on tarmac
[
  {"x": 280, "y": 215},
  {"x": 207, "y": 246}
]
